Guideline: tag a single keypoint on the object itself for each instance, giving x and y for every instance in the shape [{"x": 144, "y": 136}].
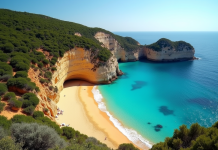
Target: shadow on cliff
[{"x": 74, "y": 82}]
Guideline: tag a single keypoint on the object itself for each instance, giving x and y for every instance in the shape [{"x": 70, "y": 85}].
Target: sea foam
[{"x": 131, "y": 134}]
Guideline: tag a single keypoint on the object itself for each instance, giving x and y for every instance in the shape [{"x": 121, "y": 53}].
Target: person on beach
[{"x": 105, "y": 138}]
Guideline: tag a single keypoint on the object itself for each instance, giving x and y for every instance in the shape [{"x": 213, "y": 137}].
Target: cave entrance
[{"x": 76, "y": 82}]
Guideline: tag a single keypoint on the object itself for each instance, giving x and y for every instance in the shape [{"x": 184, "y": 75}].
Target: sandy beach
[{"x": 82, "y": 113}]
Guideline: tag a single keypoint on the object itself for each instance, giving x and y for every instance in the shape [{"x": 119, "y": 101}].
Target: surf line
[{"x": 131, "y": 134}]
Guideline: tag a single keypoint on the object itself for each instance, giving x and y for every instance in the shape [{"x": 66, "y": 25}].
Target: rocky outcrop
[
  {"x": 116, "y": 49},
  {"x": 169, "y": 54},
  {"x": 166, "y": 50},
  {"x": 77, "y": 63}
]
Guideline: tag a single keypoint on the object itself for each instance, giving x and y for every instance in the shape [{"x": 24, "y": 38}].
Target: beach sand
[{"x": 82, "y": 113}]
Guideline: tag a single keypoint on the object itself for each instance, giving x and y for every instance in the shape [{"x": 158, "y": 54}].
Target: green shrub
[
  {"x": 33, "y": 135},
  {"x": 104, "y": 55},
  {"x": 3, "y": 89},
  {"x": 53, "y": 69},
  {"x": 5, "y": 69},
  {"x": 23, "y": 49},
  {"x": 9, "y": 95},
  {"x": 4, "y": 57},
  {"x": 51, "y": 87},
  {"x": 15, "y": 103},
  {"x": 48, "y": 122},
  {"x": 42, "y": 80},
  {"x": 37, "y": 89},
  {"x": 22, "y": 74},
  {"x": 22, "y": 118},
  {"x": 7, "y": 143},
  {"x": 4, "y": 122},
  {"x": 19, "y": 59},
  {"x": 34, "y": 61},
  {"x": 5, "y": 77},
  {"x": 29, "y": 110},
  {"x": 20, "y": 66},
  {"x": 38, "y": 114},
  {"x": 21, "y": 83},
  {"x": 45, "y": 109},
  {"x": 56, "y": 89},
  {"x": 8, "y": 48},
  {"x": 68, "y": 132},
  {"x": 45, "y": 61},
  {"x": 127, "y": 146},
  {"x": 2, "y": 105},
  {"x": 40, "y": 64},
  {"x": 2, "y": 133},
  {"x": 30, "y": 99},
  {"x": 48, "y": 75}
]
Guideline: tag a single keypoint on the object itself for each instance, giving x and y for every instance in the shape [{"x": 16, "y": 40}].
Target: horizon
[{"x": 128, "y": 16}]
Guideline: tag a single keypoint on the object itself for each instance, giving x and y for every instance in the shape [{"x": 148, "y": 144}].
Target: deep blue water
[{"x": 169, "y": 94}]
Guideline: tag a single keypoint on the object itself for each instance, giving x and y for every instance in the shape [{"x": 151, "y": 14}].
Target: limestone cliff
[
  {"x": 109, "y": 42},
  {"x": 166, "y": 50},
  {"x": 76, "y": 63}
]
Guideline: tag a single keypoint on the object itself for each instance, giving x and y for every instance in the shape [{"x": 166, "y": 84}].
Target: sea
[{"x": 153, "y": 99}]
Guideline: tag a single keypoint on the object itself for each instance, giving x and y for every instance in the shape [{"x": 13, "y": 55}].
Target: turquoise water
[{"x": 169, "y": 94}]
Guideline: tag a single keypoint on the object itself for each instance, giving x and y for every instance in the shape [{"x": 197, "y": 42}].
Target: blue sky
[{"x": 127, "y": 15}]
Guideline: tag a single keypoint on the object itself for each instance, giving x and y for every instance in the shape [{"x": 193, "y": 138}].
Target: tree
[
  {"x": 68, "y": 132},
  {"x": 38, "y": 114},
  {"x": 36, "y": 136},
  {"x": 127, "y": 146},
  {"x": 22, "y": 74},
  {"x": 8, "y": 48},
  {"x": 3, "y": 89}
]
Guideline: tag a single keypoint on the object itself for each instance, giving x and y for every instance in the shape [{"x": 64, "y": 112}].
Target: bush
[
  {"x": 22, "y": 118},
  {"x": 9, "y": 95},
  {"x": 20, "y": 66},
  {"x": 5, "y": 69},
  {"x": 4, "y": 122},
  {"x": 3, "y": 89},
  {"x": 48, "y": 75},
  {"x": 45, "y": 61},
  {"x": 68, "y": 132},
  {"x": 42, "y": 80},
  {"x": 33, "y": 135},
  {"x": 22, "y": 74},
  {"x": 38, "y": 114},
  {"x": 37, "y": 89},
  {"x": 48, "y": 122},
  {"x": 45, "y": 109},
  {"x": 34, "y": 61},
  {"x": 15, "y": 103},
  {"x": 30, "y": 99},
  {"x": 2, "y": 105},
  {"x": 40, "y": 65},
  {"x": 5, "y": 77},
  {"x": 21, "y": 83},
  {"x": 104, "y": 55},
  {"x": 53, "y": 69},
  {"x": 23, "y": 49},
  {"x": 127, "y": 146},
  {"x": 3, "y": 57},
  {"x": 8, "y": 48},
  {"x": 29, "y": 110},
  {"x": 2, "y": 133},
  {"x": 56, "y": 89},
  {"x": 7, "y": 143}
]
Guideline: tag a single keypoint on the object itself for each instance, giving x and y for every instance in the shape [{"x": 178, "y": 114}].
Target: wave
[{"x": 131, "y": 134}]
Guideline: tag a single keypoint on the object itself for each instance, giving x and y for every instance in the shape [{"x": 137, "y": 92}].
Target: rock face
[
  {"x": 166, "y": 50},
  {"x": 75, "y": 64},
  {"x": 112, "y": 44}
]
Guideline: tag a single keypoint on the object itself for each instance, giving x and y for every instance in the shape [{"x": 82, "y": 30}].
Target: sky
[{"x": 127, "y": 15}]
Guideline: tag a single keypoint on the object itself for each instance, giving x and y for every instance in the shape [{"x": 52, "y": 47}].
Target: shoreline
[
  {"x": 81, "y": 111},
  {"x": 131, "y": 134}
]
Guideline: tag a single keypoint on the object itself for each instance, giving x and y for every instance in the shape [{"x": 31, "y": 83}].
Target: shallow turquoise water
[{"x": 169, "y": 94}]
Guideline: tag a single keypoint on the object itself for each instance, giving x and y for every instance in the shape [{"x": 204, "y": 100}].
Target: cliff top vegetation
[{"x": 163, "y": 42}]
